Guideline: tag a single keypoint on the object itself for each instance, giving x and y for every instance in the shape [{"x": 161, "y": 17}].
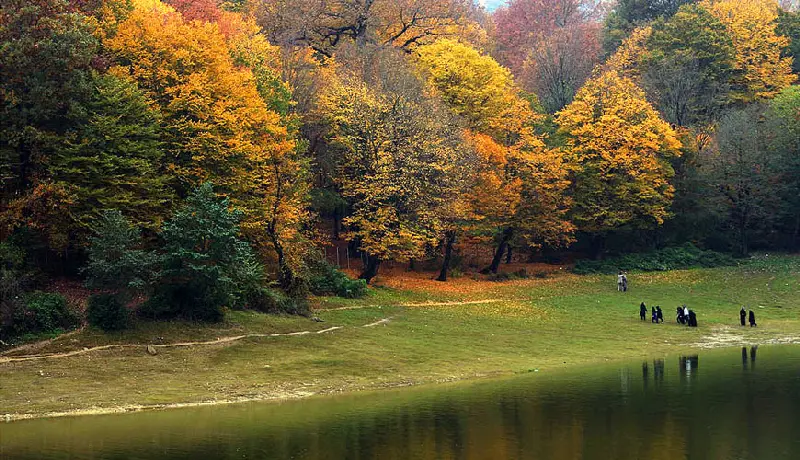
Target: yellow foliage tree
[
  {"x": 398, "y": 158},
  {"x": 217, "y": 125},
  {"x": 621, "y": 148},
  {"x": 762, "y": 70}
]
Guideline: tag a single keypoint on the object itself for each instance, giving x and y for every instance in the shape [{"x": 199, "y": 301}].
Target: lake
[{"x": 722, "y": 404}]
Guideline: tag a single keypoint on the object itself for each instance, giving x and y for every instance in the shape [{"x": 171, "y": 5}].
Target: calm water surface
[{"x": 730, "y": 404}]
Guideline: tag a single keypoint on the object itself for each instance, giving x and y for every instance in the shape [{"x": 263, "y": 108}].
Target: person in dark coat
[
  {"x": 654, "y": 317},
  {"x": 692, "y": 319},
  {"x": 681, "y": 318},
  {"x": 742, "y": 315},
  {"x": 642, "y": 311},
  {"x": 659, "y": 315},
  {"x": 752, "y": 319}
]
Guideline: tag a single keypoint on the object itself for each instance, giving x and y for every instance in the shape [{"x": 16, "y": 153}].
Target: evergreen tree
[
  {"x": 207, "y": 266},
  {"x": 112, "y": 158}
]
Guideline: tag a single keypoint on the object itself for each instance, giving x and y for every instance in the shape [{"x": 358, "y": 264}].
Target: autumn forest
[{"x": 187, "y": 156}]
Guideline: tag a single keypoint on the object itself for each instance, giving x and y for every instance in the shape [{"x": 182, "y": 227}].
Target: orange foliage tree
[
  {"x": 217, "y": 125},
  {"x": 520, "y": 185}
]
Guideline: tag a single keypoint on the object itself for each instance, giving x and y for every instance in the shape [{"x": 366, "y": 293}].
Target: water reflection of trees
[{"x": 579, "y": 415}]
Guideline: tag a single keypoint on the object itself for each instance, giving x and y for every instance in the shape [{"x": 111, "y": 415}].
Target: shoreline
[
  {"x": 299, "y": 395},
  {"x": 411, "y": 331}
]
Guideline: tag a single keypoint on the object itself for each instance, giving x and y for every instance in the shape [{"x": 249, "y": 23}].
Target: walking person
[
  {"x": 654, "y": 317},
  {"x": 624, "y": 282},
  {"x": 619, "y": 281},
  {"x": 742, "y": 315},
  {"x": 752, "y": 319},
  {"x": 659, "y": 315},
  {"x": 642, "y": 311}
]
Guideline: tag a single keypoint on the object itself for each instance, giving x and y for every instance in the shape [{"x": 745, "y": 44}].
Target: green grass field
[{"x": 420, "y": 332}]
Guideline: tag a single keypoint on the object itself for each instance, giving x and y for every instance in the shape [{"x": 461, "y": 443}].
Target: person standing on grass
[
  {"x": 742, "y": 315},
  {"x": 624, "y": 282},
  {"x": 659, "y": 315},
  {"x": 619, "y": 281},
  {"x": 654, "y": 317},
  {"x": 752, "y": 319},
  {"x": 642, "y": 311}
]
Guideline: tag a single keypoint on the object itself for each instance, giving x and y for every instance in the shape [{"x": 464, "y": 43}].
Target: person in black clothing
[
  {"x": 692, "y": 319},
  {"x": 742, "y": 315},
  {"x": 659, "y": 315},
  {"x": 654, "y": 317},
  {"x": 681, "y": 317},
  {"x": 752, "y": 319},
  {"x": 642, "y": 311}
]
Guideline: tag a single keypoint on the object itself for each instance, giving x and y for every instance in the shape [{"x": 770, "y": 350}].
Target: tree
[
  {"x": 117, "y": 264},
  {"x": 46, "y": 52},
  {"x": 688, "y": 65},
  {"x": 784, "y": 114},
  {"x": 558, "y": 64},
  {"x": 627, "y": 15},
  {"x": 207, "y": 266},
  {"x": 789, "y": 27},
  {"x": 215, "y": 94},
  {"x": 396, "y": 148},
  {"x": 762, "y": 71},
  {"x": 738, "y": 168},
  {"x": 552, "y": 45},
  {"x": 111, "y": 158},
  {"x": 622, "y": 148},
  {"x": 399, "y": 23},
  {"x": 519, "y": 184}
]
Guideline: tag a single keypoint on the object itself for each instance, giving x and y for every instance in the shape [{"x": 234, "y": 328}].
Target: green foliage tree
[
  {"x": 629, "y": 14},
  {"x": 688, "y": 65},
  {"x": 46, "y": 52},
  {"x": 112, "y": 158},
  {"x": 738, "y": 170},
  {"x": 785, "y": 115},
  {"x": 789, "y": 26},
  {"x": 117, "y": 264},
  {"x": 206, "y": 265}
]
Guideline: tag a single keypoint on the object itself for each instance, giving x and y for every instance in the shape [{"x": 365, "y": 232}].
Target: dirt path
[{"x": 218, "y": 341}]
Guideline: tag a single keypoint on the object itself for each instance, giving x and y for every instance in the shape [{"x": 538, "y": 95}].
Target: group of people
[
  {"x": 684, "y": 316},
  {"x": 743, "y": 314},
  {"x": 622, "y": 282}
]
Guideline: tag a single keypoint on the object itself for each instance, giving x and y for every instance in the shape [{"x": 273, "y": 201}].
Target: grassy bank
[{"x": 409, "y": 330}]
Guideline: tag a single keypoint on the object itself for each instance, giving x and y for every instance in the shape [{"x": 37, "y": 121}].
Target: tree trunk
[
  {"x": 286, "y": 278},
  {"x": 509, "y": 254},
  {"x": 336, "y": 224},
  {"x": 371, "y": 269},
  {"x": 450, "y": 239},
  {"x": 501, "y": 249},
  {"x": 412, "y": 265}
]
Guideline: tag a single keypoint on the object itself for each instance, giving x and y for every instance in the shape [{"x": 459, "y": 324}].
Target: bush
[
  {"x": 676, "y": 258},
  {"x": 327, "y": 280},
  {"x": 43, "y": 312},
  {"x": 270, "y": 301},
  {"x": 107, "y": 311},
  {"x": 520, "y": 274}
]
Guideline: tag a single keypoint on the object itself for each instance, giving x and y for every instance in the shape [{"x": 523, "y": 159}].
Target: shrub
[
  {"x": 270, "y": 301},
  {"x": 676, "y": 258},
  {"x": 43, "y": 312},
  {"x": 107, "y": 311},
  {"x": 327, "y": 280}
]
